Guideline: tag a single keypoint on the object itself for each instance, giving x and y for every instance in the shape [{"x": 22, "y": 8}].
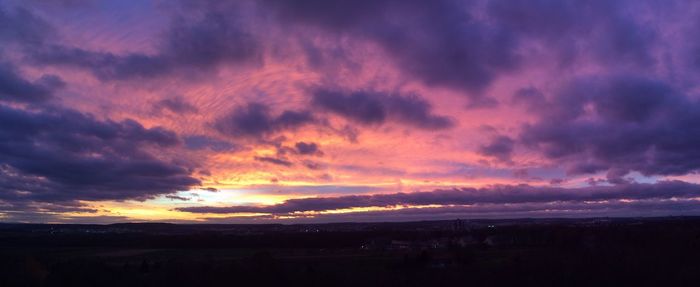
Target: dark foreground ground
[{"x": 555, "y": 252}]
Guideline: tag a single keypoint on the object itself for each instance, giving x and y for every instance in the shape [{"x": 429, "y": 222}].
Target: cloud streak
[{"x": 507, "y": 194}]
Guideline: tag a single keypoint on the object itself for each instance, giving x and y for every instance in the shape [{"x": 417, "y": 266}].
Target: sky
[{"x": 294, "y": 111}]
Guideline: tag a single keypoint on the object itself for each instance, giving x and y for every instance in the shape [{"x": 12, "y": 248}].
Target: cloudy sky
[{"x": 347, "y": 110}]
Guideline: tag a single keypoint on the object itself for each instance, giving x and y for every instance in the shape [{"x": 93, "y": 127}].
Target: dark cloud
[
  {"x": 455, "y": 44},
  {"x": 198, "y": 142},
  {"x": 197, "y": 44},
  {"x": 63, "y": 4},
  {"x": 490, "y": 211},
  {"x": 256, "y": 120},
  {"x": 526, "y": 210},
  {"x": 104, "y": 65},
  {"x": 483, "y": 102},
  {"x": 500, "y": 147},
  {"x": 274, "y": 160},
  {"x": 619, "y": 124},
  {"x": 416, "y": 111},
  {"x": 209, "y": 41},
  {"x": 604, "y": 28},
  {"x": 177, "y": 104},
  {"x": 21, "y": 26},
  {"x": 556, "y": 181},
  {"x": 177, "y": 197},
  {"x": 439, "y": 42},
  {"x": 546, "y": 19},
  {"x": 24, "y": 210},
  {"x": 365, "y": 107},
  {"x": 60, "y": 155},
  {"x": 465, "y": 46},
  {"x": 43, "y": 217},
  {"x": 15, "y": 88},
  {"x": 313, "y": 165},
  {"x": 502, "y": 194},
  {"x": 292, "y": 119},
  {"x": 530, "y": 97},
  {"x": 691, "y": 56},
  {"x": 307, "y": 148}
]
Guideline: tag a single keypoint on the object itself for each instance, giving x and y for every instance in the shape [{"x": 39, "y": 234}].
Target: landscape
[
  {"x": 524, "y": 252},
  {"x": 349, "y": 142}
]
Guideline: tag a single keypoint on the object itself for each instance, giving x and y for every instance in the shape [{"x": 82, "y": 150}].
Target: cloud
[
  {"x": 201, "y": 43},
  {"x": 604, "y": 29},
  {"x": 304, "y": 148},
  {"x": 359, "y": 107},
  {"x": 490, "y": 211},
  {"x": 23, "y": 210},
  {"x": 177, "y": 105},
  {"x": 14, "y": 88},
  {"x": 466, "y": 46},
  {"x": 438, "y": 42},
  {"x": 43, "y": 217},
  {"x": 177, "y": 197},
  {"x": 368, "y": 108},
  {"x": 619, "y": 122},
  {"x": 199, "y": 142},
  {"x": 21, "y": 26},
  {"x": 211, "y": 40},
  {"x": 59, "y": 155},
  {"x": 500, "y": 147},
  {"x": 415, "y": 111},
  {"x": 256, "y": 120},
  {"x": 530, "y": 97},
  {"x": 274, "y": 160},
  {"x": 499, "y": 194},
  {"x": 313, "y": 165},
  {"x": 103, "y": 65},
  {"x": 454, "y": 44}
]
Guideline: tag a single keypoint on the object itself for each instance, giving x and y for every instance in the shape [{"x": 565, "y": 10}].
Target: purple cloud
[
  {"x": 21, "y": 26},
  {"x": 368, "y": 108},
  {"x": 500, "y": 147},
  {"x": 274, "y": 160},
  {"x": 202, "y": 43},
  {"x": 501, "y": 194},
  {"x": 177, "y": 104},
  {"x": 438, "y": 42},
  {"x": 198, "y": 142},
  {"x": 256, "y": 120},
  {"x": 619, "y": 122},
  {"x": 304, "y": 148},
  {"x": 15, "y": 88},
  {"x": 58, "y": 155}
]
